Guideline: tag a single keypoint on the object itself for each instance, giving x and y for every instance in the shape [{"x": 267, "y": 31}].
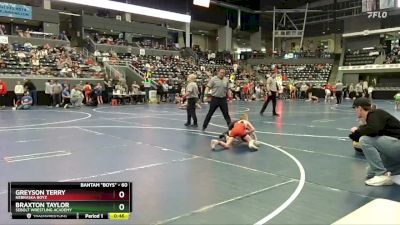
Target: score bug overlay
[{"x": 70, "y": 200}]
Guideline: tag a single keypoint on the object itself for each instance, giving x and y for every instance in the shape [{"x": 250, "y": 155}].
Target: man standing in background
[
  {"x": 3, "y": 93},
  {"x": 339, "y": 92},
  {"x": 271, "y": 89}
]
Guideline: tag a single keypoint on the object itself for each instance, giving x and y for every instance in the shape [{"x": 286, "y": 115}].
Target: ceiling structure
[{"x": 204, "y": 20}]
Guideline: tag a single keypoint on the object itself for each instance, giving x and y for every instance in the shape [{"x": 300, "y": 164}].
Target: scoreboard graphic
[{"x": 70, "y": 200}]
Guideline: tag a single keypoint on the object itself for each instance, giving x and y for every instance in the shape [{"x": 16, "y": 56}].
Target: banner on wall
[
  {"x": 15, "y": 11},
  {"x": 3, "y": 39},
  {"x": 386, "y": 4}
]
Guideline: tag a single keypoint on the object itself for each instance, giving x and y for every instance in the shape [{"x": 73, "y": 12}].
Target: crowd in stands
[
  {"x": 298, "y": 73},
  {"x": 393, "y": 57},
  {"x": 147, "y": 43},
  {"x": 110, "y": 40},
  {"x": 31, "y": 32},
  {"x": 3, "y": 30},
  {"x": 121, "y": 40},
  {"x": 361, "y": 56},
  {"x": 368, "y": 55},
  {"x": 28, "y": 60}
]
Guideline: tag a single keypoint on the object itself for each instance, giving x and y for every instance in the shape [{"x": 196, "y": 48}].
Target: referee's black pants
[
  {"x": 339, "y": 97},
  {"x": 222, "y": 103},
  {"x": 191, "y": 111},
  {"x": 272, "y": 98}
]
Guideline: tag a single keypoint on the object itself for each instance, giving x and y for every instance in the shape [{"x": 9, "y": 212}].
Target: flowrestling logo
[{"x": 379, "y": 15}]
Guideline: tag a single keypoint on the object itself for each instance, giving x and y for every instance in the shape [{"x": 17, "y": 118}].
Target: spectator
[
  {"x": 98, "y": 90},
  {"x": 359, "y": 90},
  {"x": 19, "y": 31},
  {"x": 65, "y": 71},
  {"x": 3, "y": 94},
  {"x": 76, "y": 97},
  {"x": 165, "y": 91},
  {"x": 27, "y": 33},
  {"x": 62, "y": 35},
  {"x": 2, "y": 29},
  {"x": 66, "y": 97},
  {"x": 379, "y": 140},
  {"x": 26, "y": 102},
  {"x": 339, "y": 90},
  {"x": 31, "y": 89},
  {"x": 135, "y": 92},
  {"x": 352, "y": 91},
  {"x": 88, "y": 91},
  {"x": 19, "y": 91},
  {"x": 96, "y": 38},
  {"x": 303, "y": 91},
  {"x": 57, "y": 90},
  {"x": 48, "y": 91},
  {"x": 89, "y": 61},
  {"x": 35, "y": 61},
  {"x": 370, "y": 90},
  {"x": 365, "y": 88}
]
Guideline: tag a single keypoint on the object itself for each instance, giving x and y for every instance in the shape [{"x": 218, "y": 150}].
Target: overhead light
[
  {"x": 135, "y": 9},
  {"x": 203, "y": 3},
  {"x": 69, "y": 14},
  {"x": 170, "y": 28},
  {"x": 202, "y": 34}
]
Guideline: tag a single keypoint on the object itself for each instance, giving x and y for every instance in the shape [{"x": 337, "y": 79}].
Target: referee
[
  {"x": 272, "y": 89},
  {"x": 219, "y": 89}
]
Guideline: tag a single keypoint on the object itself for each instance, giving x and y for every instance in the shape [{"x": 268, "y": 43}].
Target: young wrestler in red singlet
[{"x": 241, "y": 129}]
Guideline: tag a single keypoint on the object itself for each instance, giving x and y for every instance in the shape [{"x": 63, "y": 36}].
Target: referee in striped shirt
[
  {"x": 219, "y": 89},
  {"x": 272, "y": 89}
]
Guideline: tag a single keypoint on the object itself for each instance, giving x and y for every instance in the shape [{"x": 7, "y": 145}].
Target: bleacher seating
[
  {"x": 361, "y": 57},
  {"x": 44, "y": 61},
  {"x": 393, "y": 56},
  {"x": 301, "y": 73},
  {"x": 176, "y": 69}
]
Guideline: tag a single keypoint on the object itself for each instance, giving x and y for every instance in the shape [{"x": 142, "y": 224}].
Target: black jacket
[{"x": 380, "y": 123}]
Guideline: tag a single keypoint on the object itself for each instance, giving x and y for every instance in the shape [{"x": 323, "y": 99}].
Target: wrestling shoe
[
  {"x": 380, "y": 180},
  {"x": 396, "y": 179},
  {"x": 214, "y": 144},
  {"x": 252, "y": 146}
]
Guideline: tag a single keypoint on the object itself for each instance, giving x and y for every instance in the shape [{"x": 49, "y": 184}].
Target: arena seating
[
  {"x": 301, "y": 73},
  {"x": 361, "y": 57},
  {"x": 45, "y": 61},
  {"x": 146, "y": 43},
  {"x": 166, "y": 68},
  {"x": 393, "y": 56},
  {"x": 176, "y": 69}
]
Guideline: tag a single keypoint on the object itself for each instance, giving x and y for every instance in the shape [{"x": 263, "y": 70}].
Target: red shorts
[{"x": 239, "y": 130}]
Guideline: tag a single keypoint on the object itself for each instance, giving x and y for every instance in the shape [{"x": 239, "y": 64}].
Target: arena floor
[{"x": 305, "y": 172}]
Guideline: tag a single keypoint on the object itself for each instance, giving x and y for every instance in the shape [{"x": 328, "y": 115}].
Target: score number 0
[
  {"x": 121, "y": 206},
  {"x": 121, "y": 194}
]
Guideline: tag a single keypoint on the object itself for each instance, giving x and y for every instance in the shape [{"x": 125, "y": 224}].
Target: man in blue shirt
[
  {"x": 26, "y": 102},
  {"x": 66, "y": 97}
]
